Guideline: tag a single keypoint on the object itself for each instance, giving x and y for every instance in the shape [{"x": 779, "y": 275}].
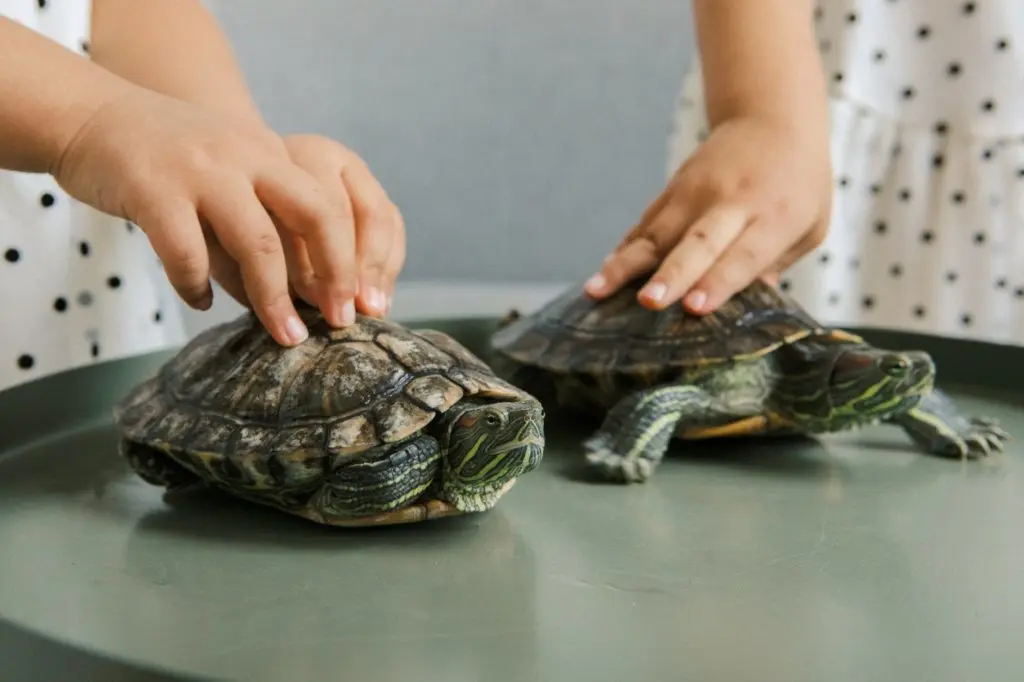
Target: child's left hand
[{"x": 378, "y": 227}]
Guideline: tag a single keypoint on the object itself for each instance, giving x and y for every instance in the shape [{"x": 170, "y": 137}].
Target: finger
[
  {"x": 689, "y": 260},
  {"x": 638, "y": 257},
  {"x": 393, "y": 266},
  {"x": 174, "y": 232},
  {"x": 378, "y": 221},
  {"x": 225, "y": 270},
  {"x": 300, "y": 269},
  {"x": 757, "y": 249},
  {"x": 248, "y": 235},
  {"x": 315, "y": 207}
]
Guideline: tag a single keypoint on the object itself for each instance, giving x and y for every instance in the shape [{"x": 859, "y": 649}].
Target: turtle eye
[
  {"x": 492, "y": 420},
  {"x": 895, "y": 365}
]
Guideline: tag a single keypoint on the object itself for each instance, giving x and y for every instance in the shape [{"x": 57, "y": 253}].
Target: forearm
[
  {"x": 760, "y": 57},
  {"x": 174, "y": 47},
  {"x": 47, "y": 93}
]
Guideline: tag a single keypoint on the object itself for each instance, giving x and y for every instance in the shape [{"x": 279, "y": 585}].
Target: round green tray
[{"x": 851, "y": 557}]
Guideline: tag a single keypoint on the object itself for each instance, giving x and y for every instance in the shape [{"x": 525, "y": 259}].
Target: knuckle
[{"x": 264, "y": 245}]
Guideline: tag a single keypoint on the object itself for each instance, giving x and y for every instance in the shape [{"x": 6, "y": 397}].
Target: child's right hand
[{"x": 211, "y": 192}]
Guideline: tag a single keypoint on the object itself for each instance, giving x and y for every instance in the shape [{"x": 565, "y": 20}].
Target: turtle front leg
[
  {"x": 382, "y": 482},
  {"x": 938, "y": 427},
  {"x": 637, "y": 430}
]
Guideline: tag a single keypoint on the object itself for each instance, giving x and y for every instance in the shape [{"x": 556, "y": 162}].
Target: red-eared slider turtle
[
  {"x": 371, "y": 424},
  {"x": 758, "y": 365}
]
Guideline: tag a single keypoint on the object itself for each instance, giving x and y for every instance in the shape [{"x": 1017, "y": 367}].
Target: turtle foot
[
  {"x": 615, "y": 467},
  {"x": 982, "y": 437}
]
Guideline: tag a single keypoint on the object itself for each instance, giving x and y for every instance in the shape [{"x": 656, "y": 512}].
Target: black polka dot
[
  {"x": 854, "y": 263},
  {"x": 966, "y": 319},
  {"x": 60, "y": 304},
  {"x": 987, "y": 154},
  {"x": 837, "y": 77},
  {"x": 897, "y": 149},
  {"x": 785, "y": 285},
  {"x": 85, "y": 46},
  {"x": 979, "y": 238},
  {"x": 130, "y": 227},
  {"x": 824, "y": 258},
  {"x": 85, "y": 299},
  {"x": 896, "y": 270},
  {"x": 919, "y": 311},
  {"x": 833, "y": 298},
  {"x": 12, "y": 255},
  {"x": 988, "y": 105},
  {"x": 881, "y": 227},
  {"x": 83, "y": 248},
  {"x": 844, "y": 181},
  {"x": 819, "y": 13},
  {"x": 1001, "y": 283},
  {"x": 953, "y": 70},
  {"x": 908, "y": 92},
  {"x": 1002, "y": 44},
  {"x": 868, "y": 302},
  {"x": 26, "y": 361},
  {"x": 905, "y": 194},
  {"x": 969, "y": 8},
  {"x": 958, "y": 197},
  {"x": 938, "y": 160},
  {"x": 157, "y": 316},
  {"x": 114, "y": 282},
  {"x": 879, "y": 55},
  {"x": 1019, "y": 292},
  {"x": 851, "y": 18},
  {"x": 95, "y": 350},
  {"x": 927, "y": 236},
  {"x": 41, "y": 3},
  {"x": 941, "y": 128},
  {"x": 47, "y": 200},
  {"x": 875, "y": 188},
  {"x": 923, "y": 32},
  {"x": 1020, "y": 173},
  {"x": 952, "y": 277}
]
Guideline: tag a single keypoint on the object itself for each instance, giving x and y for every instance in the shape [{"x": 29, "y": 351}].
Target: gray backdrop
[{"x": 519, "y": 138}]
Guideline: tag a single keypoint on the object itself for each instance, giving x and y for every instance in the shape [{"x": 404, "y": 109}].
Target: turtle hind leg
[
  {"x": 938, "y": 427},
  {"x": 636, "y": 432},
  {"x": 382, "y": 484},
  {"x": 156, "y": 467}
]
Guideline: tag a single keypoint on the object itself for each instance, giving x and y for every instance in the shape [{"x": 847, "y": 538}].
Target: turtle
[
  {"x": 759, "y": 365},
  {"x": 370, "y": 424}
]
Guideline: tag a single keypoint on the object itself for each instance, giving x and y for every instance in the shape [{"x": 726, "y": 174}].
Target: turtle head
[
  {"x": 867, "y": 384},
  {"x": 487, "y": 445}
]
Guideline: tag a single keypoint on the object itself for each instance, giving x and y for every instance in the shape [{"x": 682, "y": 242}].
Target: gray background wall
[{"x": 520, "y": 138}]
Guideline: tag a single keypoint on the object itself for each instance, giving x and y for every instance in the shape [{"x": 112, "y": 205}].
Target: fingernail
[
  {"x": 348, "y": 313},
  {"x": 696, "y": 300},
  {"x": 595, "y": 283},
  {"x": 655, "y": 291},
  {"x": 377, "y": 299},
  {"x": 295, "y": 330}
]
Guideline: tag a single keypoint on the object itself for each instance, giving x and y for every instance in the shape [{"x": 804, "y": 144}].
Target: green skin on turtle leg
[
  {"x": 477, "y": 449},
  {"x": 814, "y": 388}
]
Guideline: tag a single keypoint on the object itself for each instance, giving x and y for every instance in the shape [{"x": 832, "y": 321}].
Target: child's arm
[
  {"x": 172, "y": 46},
  {"x": 756, "y": 195}
]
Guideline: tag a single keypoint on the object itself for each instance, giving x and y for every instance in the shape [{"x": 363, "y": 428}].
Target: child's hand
[
  {"x": 752, "y": 200},
  {"x": 215, "y": 194}
]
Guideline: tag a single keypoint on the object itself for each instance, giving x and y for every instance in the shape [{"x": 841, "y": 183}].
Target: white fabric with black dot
[
  {"x": 928, "y": 150},
  {"x": 76, "y": 286}
]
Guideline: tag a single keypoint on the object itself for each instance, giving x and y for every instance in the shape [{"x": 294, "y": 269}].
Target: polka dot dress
[
  {"x": 927, "y": 116},
  {"x": 76, "y": 286}
]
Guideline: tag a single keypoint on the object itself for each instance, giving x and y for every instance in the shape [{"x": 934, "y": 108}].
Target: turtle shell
[
  {"x": 575, "y": 334},
  {"x": 235, "y": 407}
]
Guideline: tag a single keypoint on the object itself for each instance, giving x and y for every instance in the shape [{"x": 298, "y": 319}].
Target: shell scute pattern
[{"x": 579, "y": 335}]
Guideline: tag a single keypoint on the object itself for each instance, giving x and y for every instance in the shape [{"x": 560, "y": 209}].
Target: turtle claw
[
  {"x": 618, "y": 468},
  {"x": 984, "y": 438}
]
